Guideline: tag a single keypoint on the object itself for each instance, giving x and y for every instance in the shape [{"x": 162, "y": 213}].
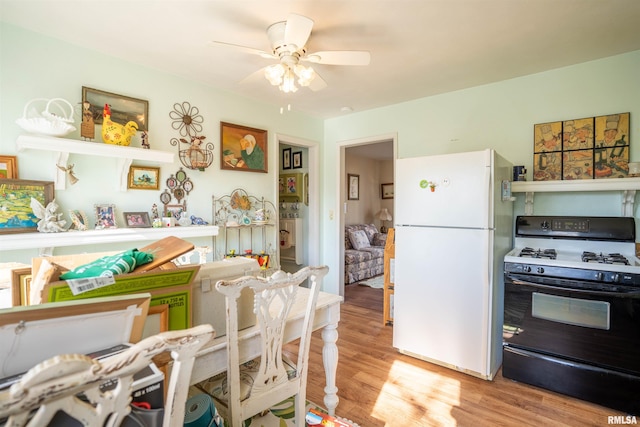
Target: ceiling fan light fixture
[
  {"x": 274, "y": 74},
  {"x": 305, "y": 74},
  {"x": 288, "y": 82}
]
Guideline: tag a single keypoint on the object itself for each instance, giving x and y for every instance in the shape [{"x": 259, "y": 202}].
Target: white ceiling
[{"x": 418, "y": 48}]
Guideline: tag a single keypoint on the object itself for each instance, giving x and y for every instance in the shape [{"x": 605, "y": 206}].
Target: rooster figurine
[{"x": 115, "y": 133}]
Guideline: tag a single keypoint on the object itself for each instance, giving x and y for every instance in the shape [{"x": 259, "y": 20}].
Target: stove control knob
[
  {"x": 616, "y": 278},
  {"x": 599, "y": 276},
  {"x": 545, "y": 225},
  {"x": 539, "y": 270},
  {"x": 526, "y": 269}
]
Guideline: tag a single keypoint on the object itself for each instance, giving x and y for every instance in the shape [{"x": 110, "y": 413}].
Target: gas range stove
[{"x": 600, "y": 249}]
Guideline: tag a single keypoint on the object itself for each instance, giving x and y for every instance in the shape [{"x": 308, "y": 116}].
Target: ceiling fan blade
[
  {"x": 317, "y": 83},
  {"x": 297, "y": 30},
  {"x": 257, "y": 77},
  {"x": 245, "y": 49},
  {"x": 339, "y": 57}
]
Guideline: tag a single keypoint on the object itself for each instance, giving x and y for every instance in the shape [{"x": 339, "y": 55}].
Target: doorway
[
  {"x": 306, "y": 156},
  {"x": 372, "y": 161}
]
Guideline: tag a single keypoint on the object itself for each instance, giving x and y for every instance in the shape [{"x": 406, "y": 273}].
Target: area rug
[{"x": 375, "y": 282}]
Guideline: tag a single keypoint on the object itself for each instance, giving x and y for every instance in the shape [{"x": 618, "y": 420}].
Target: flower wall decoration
[{"x": 188, "y": 122}]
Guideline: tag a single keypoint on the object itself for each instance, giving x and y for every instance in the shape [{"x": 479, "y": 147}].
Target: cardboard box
[{"x": 209, "y": 305}]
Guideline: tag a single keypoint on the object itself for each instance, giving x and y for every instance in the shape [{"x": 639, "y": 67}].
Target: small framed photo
[
  {"x": 8, "y": 167},
  {"x": 286, "y": 158},
  {"x": 137, "y": 219},
  {"x": 144, "y": 178},
  {"x": 386, "y": 190},
  {"x": 243, "y": 148},
  {"x": 105, "y": 216},
  {"x": 79, "y": 220},
  {"x": 175, "y": 210},
  {"x": 123, "y": 108},
  {"x": 353, "y": 187},
  {"x": 297, "y": 159}
]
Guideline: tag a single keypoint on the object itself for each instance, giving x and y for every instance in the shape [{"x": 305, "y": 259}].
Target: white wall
[
  {"x": 500, "y": 116},
  {"x": 33, "y": 66}
]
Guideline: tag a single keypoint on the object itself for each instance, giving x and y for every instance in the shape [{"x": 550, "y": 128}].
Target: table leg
[{"x": 330, "y": 362}]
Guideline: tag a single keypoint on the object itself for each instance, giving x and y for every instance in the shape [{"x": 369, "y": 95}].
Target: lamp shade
[{"x": 384, "y": 215}]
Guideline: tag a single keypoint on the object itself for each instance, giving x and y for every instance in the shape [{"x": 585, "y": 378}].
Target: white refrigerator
[{"x": 453, "y": 227}]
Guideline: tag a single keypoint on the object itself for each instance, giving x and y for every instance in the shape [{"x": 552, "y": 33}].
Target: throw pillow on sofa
[{"x": 359, "y": 239}]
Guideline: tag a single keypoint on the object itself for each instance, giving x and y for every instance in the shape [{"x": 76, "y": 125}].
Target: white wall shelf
[
  {"x": 46, "y": 241},
  {"x": 628, "y": 187},
  {"x": 64, "y": 146}
]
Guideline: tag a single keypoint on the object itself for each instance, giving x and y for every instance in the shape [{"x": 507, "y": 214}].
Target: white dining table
[{"x": 212, "y": 359}]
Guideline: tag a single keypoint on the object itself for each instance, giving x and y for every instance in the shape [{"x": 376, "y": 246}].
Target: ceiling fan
[{"x": 288, "y": 41}]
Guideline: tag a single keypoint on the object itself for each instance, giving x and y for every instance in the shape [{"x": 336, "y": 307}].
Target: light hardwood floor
[{"x": 378, "y": 387}]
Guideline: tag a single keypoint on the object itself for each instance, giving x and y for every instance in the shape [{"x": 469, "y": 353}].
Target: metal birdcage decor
[{"x": 188, "y": 122}]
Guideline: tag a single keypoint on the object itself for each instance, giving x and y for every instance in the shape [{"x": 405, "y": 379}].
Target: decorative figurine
[
  {"x": 154, "y": 212},
  {"x": 145, "y": 140},
  {"x": 50, "y": 220},
  {"x": 88, "y": 126},
  {"x": 69, "y": 170},
  {"x": 115, "y": 133}
]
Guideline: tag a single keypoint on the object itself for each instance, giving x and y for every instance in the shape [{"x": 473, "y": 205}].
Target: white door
[
  {"x": 447, "y": 190},
  {"x": 442, "y": 295}
]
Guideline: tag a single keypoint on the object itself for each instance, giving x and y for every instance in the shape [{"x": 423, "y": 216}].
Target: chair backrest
[
  {"x": 54, "y": 384},
  {"x": 273, "y": 299}
]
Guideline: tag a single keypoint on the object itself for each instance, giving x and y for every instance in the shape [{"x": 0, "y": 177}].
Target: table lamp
[{"x": 383, "y": 216}]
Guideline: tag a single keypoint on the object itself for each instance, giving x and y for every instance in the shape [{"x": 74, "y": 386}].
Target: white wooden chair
[
  {"x": 251, "y": 387},
  {"x": 54, "y": 384}
]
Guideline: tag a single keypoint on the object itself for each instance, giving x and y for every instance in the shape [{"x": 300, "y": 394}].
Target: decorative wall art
[
  {"x": 179, "y": 185},
  {"x": 144, "y": 178},
  {"x": 297, "y": 159},
  {"x": 286, "y": 158},
  {"x": 353, "y": 187},
  {"x": 16, "y": 215},
  {"x": 586, "y": 148},
  {"x": 291, "y": 187},
  {"x": 243, "y": 148},
  {"x": 124, "y": 109},
  {"x": 8, "y": 167},
  {"x": 193, "y": 152},
  {"x": 386, "y": 190},
  {"x": 105, "y": 216}
]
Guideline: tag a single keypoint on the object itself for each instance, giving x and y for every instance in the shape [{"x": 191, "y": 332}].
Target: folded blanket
[{"x": 111, "y": 265}]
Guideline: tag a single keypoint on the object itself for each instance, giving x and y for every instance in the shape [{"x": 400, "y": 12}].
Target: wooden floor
[{"x": 377, "y": 386}]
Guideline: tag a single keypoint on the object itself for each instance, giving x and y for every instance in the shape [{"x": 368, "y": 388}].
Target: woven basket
[{"x": 48, "y": 122}]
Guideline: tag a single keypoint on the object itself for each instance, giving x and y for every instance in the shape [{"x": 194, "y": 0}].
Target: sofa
[{"x": 363, "y": 252}]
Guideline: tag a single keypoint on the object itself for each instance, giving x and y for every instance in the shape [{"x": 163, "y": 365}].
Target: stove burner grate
[
  {"x": 613, "y": 258},
  {"x": 538, "y": 253}
]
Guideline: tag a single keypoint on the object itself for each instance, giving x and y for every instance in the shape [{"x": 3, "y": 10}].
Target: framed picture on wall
[
  {"x": 286, "y": 158},
  {"x": 386, "y": 190},
  {"x": 297, "y": 159},
  {"x": 243, "y": 148},
  {"x": 353, "y": 187}
]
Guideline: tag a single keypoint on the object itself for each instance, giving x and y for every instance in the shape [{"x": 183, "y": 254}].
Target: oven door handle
[{"x": 631, "y": 293}]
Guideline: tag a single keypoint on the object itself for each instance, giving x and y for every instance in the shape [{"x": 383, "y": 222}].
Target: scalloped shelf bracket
[{"x": 64, "y": 146}]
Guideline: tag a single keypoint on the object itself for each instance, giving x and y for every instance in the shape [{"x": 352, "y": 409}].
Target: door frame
[
  {"x": 313, "y": 238},
  {"x": 342, "y": 188}
]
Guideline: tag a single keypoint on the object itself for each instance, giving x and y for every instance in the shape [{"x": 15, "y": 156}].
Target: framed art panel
[
  {"x": 547, "y": 166},
  {"x": 144, "y": 178},
  {"x": 297, "y": 159},
  {"x": 243, "y": 148},
  {"x": 17, "y": 215},
  {"x": 386, "y": 190},
  {"x": 286, "y": 158},
  {"x": 547, "y": 137},
  {"x": 353, "y": 187},
  {"x": 8, "y": 167},
  {"x": 291, "y": 187},
  {"x": 577, "y": 164},
  {"x": 123, "y": 108},
  {"x": 612, "y": 146},
  {"x": 577, "y": 134},
  {"x": 105, "y": 216}
]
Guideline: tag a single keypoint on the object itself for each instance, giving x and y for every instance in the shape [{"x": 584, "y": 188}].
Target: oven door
[{"x": 597, "y": 327}]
